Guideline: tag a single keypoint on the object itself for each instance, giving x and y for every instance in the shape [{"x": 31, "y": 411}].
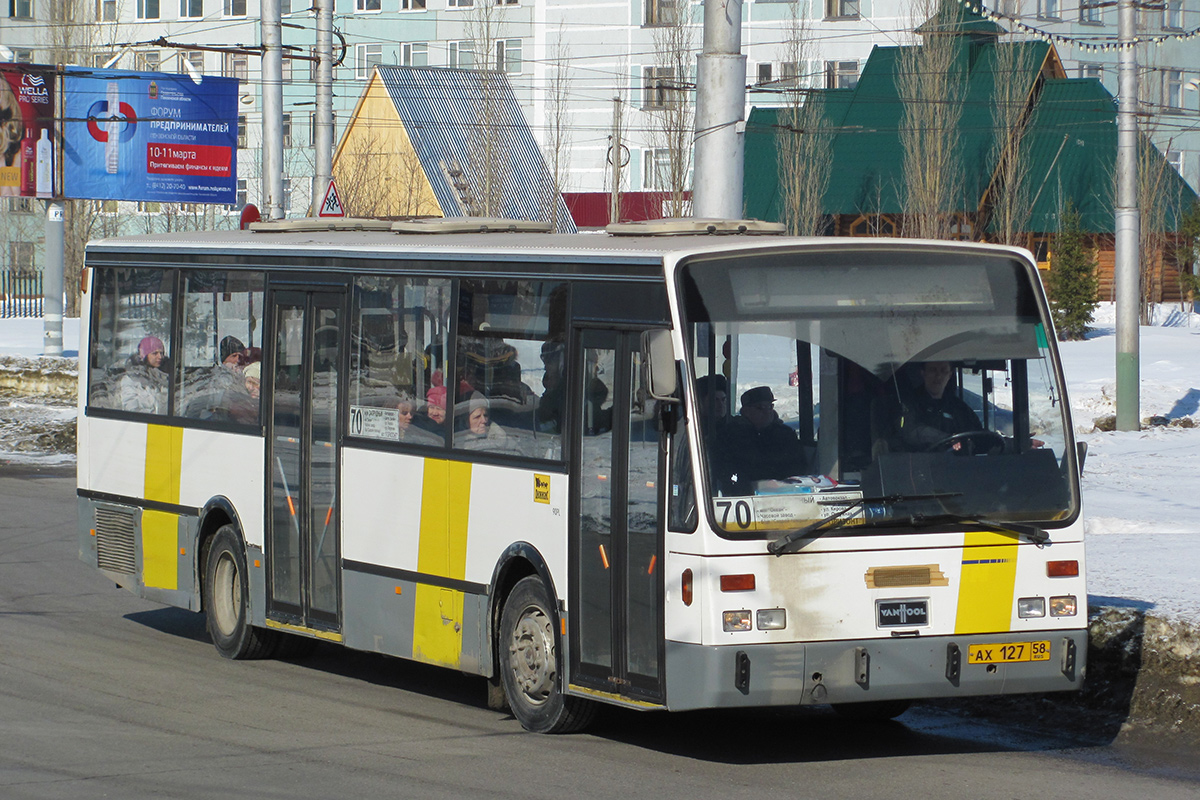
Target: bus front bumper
[{"x": 706, "y": 676}]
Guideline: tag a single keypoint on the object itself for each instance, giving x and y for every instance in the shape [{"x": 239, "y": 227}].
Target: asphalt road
[{"x": 105, "y": 695}]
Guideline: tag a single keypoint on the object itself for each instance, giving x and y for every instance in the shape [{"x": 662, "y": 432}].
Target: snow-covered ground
[{"x": 1141, "y": 489}]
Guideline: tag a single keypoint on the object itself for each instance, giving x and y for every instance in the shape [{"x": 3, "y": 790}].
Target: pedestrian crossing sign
[{"x": 331, "y": 206}]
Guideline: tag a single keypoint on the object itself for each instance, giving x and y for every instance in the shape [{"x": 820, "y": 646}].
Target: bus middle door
[{"x": 616, "y": 539}]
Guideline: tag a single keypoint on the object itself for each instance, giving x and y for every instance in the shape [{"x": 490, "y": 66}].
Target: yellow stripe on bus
[
  {"x": 160, "y": 529},
  {"x": 985, "y": 591},
  {"x": 438, "y": 616}
]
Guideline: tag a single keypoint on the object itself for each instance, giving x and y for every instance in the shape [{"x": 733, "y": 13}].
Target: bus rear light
[
  {"x": 1030, "y": 607},
  {"x": 686, "y": 587},
  {"x": 771, "y": 619},
  {"x": 733, "y": 621},
  {"x": 1062, "y": 569},
  {"x": 1064, "y": 606},
  {"x": 737, "y": 583}
]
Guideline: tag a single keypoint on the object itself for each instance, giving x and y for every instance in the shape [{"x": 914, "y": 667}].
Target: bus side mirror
[{"x": 660, "y": 358}]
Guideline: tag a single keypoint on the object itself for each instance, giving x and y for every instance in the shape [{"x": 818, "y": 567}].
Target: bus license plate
[{"x": 1009, "y": 653}]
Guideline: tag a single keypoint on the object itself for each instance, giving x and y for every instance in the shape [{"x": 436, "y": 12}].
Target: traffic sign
[{"x": 331, "y": 206}]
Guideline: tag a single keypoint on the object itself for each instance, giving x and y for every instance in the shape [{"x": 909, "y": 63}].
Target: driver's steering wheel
[{"x": 972, "y": 442}]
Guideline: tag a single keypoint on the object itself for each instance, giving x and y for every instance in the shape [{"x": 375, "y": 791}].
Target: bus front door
[
  {"x": 616, "y": 540},
  {"x": 303, "y": 580}
]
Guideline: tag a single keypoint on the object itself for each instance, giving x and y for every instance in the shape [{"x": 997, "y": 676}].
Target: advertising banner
[
  {"x": 150, "y": 136},
  {"x": 26, "y": 130}
]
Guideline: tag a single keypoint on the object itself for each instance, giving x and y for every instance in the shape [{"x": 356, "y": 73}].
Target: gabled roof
[{"x": 868, "y": 157}]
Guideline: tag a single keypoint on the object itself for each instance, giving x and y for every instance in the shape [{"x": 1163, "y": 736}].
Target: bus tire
[
  {"x": 873, "y": 710},
  {"x": 528, "y": 654},
  {"x": 227, "y": 600}
]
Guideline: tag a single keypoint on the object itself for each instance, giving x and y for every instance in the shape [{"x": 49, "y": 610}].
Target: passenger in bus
[
  {"x": 240, "y": 402},
  {"x": 481, "y": 433},
  {"x": 930, "y": 414},
  {"x": 230, "y": 350},
  {"x": 548, "y": 415},
  {"x": 142, "y": 387},
  {"x": 758, "y": 446},
  {"x": 415, "y": 433}
]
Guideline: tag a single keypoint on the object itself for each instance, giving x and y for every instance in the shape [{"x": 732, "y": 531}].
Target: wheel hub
[{"x": 531, "y": 655}]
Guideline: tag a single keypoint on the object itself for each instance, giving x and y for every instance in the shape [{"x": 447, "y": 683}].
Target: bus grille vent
[
  {"x": 898, "y": 577},
  {"x": 114, "y": 541}
]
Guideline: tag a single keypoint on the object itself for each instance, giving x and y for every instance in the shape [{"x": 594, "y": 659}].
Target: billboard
[
  {"x": 149, "y": 136},
  {"x": 26, "y": 130}
]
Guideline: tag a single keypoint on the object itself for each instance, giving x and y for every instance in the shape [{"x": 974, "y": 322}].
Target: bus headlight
[
  {"x": 733, "y": 621},
  {"x": 1063, "y": 606},
  {"x": 1028, "y": 607},
  {"x": 771, "y": 619}
]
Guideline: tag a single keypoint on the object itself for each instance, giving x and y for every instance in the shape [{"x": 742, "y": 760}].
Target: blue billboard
[{"x": 149, "y": 136}]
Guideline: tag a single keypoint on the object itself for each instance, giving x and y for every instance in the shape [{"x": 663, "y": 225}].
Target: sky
[{"x": 1141, "y": 489}]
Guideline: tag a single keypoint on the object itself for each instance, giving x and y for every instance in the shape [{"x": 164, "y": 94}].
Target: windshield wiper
[
  {"x": 839, "y": 520},
  {"x": 1033, "y": 534}
]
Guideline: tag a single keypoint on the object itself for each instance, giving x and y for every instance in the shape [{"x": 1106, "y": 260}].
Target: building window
[
  {"x": 1089, "y": 12},
  {"x": 412, "y": 5},
  {"x": 243, "y": 137},
  {"x": 659, "y": 88},
  {"x": 106, "y": 10},
  {"x": 22, "y": 56},
  {"x": 369, "y": 56},
  {"x": 460, "y": 3},
  {"x": 20, "y": 205},
  {"x": 1173, "y": 89},
  {"x": 147, "y": 207},
  {"x": 194, "y": 58},
  {"x": 20, "y": 258},
  {"x": 1009, "y": 8},
  {"x": 414, "y": 54},
  {"x": 287, "y": 68},
  {"x": 103, "y": 206},
  {"x": 367, "y": 5},
  {"x": 235, "y": 8},
  {"x": 1175, "y": 159},
  {"x": 286, "y": 129},
  {"x": 287, "y": 194},
  {"x": 763, "y": 73},
  {"x": 1092, "y": 71},
  {"x": 508, "y": 55},
  {"x": 147, "y": 9},
  {"x": 656, "y": 169},
  {"x": 1172, "y": 15},
  {"x": 242, "y": 194},
  {"x": 21, "y": 9},
  {"x": 841, "y": 9},
  {"x": 662, "y": 12},
  {"x": 236, "y": 65},
  {"x": 146, "y": 60},
  {"x": 841, "y": 74},
  {"x": 462, "y": 55},
  {"x": 1047, "y": 9}
]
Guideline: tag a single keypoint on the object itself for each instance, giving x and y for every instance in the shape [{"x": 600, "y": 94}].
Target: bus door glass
[
  {"x": 303, "y": 541},
  {"x": 616, "y": 600}
]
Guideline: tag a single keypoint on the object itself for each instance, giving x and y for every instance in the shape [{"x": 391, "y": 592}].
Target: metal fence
[{"x": 20, "y": 295}]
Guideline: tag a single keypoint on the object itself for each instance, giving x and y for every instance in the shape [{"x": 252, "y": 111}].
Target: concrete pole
[
  {"x": 720, "y": 113},
  {"x": 52, "y": 280},
  {"x": 324, "y": 134},
  {"x": 1126, "y": 272},
  {"x": 272, "y": 118}
]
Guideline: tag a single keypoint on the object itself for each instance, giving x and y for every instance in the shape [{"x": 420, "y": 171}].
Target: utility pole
[
  {"x": 1126, "y": 272},
  {"x": 324, "y": 134},
  {"x": 52, "y": 280},
  {"x": 272, "y": 92},
  {"x": 616, "y": 151},
  {"x": 720, "y": 113}
]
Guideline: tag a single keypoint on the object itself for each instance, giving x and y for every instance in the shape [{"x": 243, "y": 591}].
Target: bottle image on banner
[
  {"x": 28, "y": 175},
  {"x": 112, "y": 152},
  {"x": 45, "y": 165}
]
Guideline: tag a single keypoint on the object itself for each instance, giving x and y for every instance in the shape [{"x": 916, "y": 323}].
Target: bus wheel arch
[
  {"x": 217, "y": 513},
  {"x": 227, "y": 599}
]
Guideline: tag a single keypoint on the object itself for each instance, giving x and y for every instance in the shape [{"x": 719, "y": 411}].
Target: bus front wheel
[
  {"x": 529, "y": 664},
  {"x": 227, "y": 600}
]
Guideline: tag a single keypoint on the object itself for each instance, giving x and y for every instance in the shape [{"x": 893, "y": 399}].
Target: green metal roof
[{"x": 868, "y": 157}]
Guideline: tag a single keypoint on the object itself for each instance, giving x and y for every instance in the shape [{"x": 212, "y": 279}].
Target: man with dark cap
[
  {"x": 758, "y": 446},
  {"x": 230, "y": 350}
]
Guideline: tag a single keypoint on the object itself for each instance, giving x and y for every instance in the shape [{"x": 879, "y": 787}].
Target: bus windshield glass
[{"x": 896, "y": 389}]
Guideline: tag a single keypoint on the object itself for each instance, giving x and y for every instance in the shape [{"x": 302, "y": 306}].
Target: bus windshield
[{"x": 892, "y": 389}]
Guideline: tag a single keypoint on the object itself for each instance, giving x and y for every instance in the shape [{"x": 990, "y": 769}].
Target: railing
[{"x": 20, "y": 295}]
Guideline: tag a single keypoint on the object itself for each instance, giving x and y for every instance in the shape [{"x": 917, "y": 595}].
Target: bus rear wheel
[
  {"x": 529, "y": 664},
  {"x": 227, "y": 600}
]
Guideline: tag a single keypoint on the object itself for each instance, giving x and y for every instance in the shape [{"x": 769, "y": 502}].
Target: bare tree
[
  {"x": 375, "y": 181},
  {"x": 484, "y": 29},
  {"x": 1154, "y": 199},
  {"x": 558, "y": 131},
  {"x": 931, "y": 83},
  {"x": 669, "y": 101},
  {"x": 805, "y": 140},
  {"x": 1007, "y": 201}
]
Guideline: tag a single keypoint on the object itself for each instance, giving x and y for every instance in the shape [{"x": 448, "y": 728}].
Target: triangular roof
[{"x": 868, "y": 157}]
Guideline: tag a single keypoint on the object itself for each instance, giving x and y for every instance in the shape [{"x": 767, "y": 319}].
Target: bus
[{"x": 669, "y": 466}]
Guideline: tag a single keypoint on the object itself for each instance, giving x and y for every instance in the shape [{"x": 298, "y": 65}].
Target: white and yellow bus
[{"x": 658, "y": 471}]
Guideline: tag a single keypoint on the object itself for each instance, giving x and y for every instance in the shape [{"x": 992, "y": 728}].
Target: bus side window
[
  {"x": 220, "y": 341},
  {"x": 510, "y": 367},
  {"x": 130, "y": 359},
  {"x": 398, "y": 338}
]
